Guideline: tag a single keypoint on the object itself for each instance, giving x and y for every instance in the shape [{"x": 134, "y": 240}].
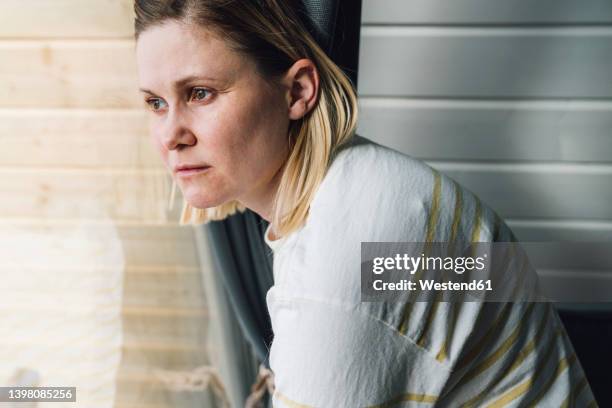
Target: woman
[{"x": 248, "y": 112}]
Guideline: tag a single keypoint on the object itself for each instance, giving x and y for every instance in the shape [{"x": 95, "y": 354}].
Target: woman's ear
[{"x": 302, "y": 82}]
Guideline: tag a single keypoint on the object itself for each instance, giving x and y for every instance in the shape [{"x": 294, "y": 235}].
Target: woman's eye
[
  {"x": 199, "y": 94},
  {"x": 156, "y": 104}
]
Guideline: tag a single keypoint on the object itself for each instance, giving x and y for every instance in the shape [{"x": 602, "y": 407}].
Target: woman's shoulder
[
  {"x": 375, "y": 194},
  {"x": 393, "y": 196},
  {"x": 376, "y": 160},
  {"x": 363, "y": 166}
]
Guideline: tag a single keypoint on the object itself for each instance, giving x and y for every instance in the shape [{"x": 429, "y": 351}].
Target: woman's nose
[{"x": 177, "y": 131}]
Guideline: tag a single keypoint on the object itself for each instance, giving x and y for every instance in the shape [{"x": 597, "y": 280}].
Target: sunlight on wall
[
  {"x": 100, "y": 287},
  {"x": 61, "y": 310}
]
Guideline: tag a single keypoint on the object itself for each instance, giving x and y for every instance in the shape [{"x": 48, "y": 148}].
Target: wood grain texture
[
  {"x": 85, "y": 230},
  {"x": 146, "y": 252},
  {"x": 68, "y": 74},
  {"x": 76, "y": 138},
  {"x": 67, "y": 19},
  {"x": 84, "y": 194}
]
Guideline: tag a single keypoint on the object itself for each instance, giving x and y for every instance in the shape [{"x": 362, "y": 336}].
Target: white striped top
[{"x": 332, "y": 350}]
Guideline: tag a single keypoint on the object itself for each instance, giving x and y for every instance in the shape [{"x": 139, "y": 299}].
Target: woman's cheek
[{"x": 159, "y": 148}]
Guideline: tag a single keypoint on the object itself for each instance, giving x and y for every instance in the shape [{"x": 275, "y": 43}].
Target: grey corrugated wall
[{"x": 511, "y": 98}]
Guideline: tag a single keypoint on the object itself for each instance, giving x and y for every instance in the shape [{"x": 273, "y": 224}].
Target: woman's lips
[{"x": 192, "y": 171}]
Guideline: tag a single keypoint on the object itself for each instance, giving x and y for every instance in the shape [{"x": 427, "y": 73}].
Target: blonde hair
[{"x": 270, "y": 32}]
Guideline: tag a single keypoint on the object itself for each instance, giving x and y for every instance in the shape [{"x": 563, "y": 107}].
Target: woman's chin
[
  {"x": 202, "y": 204},
  {"x": 199, "y": 201},
  {"x": 212, "y": 195}
]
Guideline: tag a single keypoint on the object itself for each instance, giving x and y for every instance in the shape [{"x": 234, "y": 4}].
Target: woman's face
[{"x": 209, "y": 107}]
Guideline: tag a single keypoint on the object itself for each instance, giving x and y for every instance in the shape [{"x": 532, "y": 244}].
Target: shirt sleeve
[{"x": 329, "y": 355}]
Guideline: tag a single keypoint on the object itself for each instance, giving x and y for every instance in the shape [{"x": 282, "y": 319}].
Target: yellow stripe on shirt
[
  {"x": 491, "y": 359},
  {"x": 491, "y": 332},
  {"x": 522, "y": 355},
  {"x": 443, "y": 352},
  {"x": 570, "y": 401},
  {"x": 406, "y": 398},
  {"x": 563, "y": 364},
  {"x": 526, "y": 385},
  {"x": 430, "y": 234},
  {"x": 477, "y": 221},
  {"x": 435, "y": 208},
  {"x": 289, "y": 402}
]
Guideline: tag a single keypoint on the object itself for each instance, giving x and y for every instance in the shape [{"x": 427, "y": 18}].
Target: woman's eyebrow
[
  {"x": 143, "y": 90},
  {"x": 181, "y": 82}
]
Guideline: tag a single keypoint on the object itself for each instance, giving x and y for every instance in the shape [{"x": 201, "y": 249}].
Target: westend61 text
[{"x": 429, "y": 284}]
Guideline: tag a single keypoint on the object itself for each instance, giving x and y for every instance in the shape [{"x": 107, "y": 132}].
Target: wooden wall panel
[
  {"x": 66, "y": 194},
  {"x": 83, "y": 212},
  {"x": 76, "y": 138},
  {"x": 68, "y": 74},
  {"x": 67, "y": 18}
]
